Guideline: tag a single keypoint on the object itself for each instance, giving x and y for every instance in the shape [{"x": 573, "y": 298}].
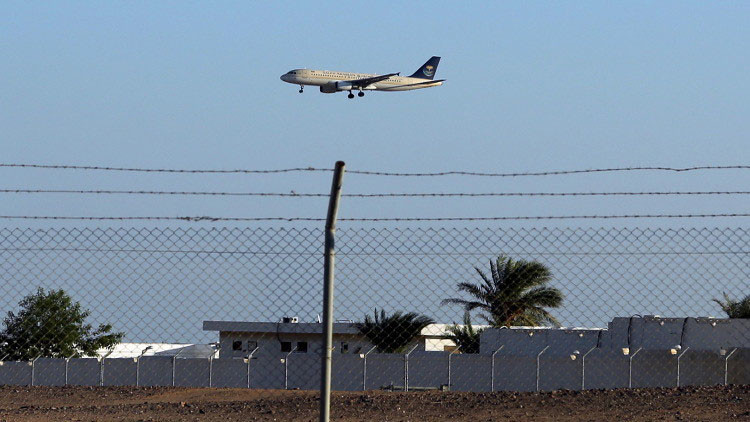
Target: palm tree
[
  {"x": 465, "y": 337},
  {"x": 515, "y": 293},
  {"x": 735, "y": 308},
  {"x": 391, "y": 334}
]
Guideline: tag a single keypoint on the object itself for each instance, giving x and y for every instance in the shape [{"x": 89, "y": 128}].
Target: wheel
[
  {"x": 361, "y": 94},
  {"x": 350, "y": 95},
  {"x": 301, "y": 88},
  {"x": 300, "y": 91}
]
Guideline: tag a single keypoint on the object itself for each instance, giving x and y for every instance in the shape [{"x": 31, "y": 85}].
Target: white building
[
  {"x": 237, "y": 339},
  {"x": 181, "y": 350}
]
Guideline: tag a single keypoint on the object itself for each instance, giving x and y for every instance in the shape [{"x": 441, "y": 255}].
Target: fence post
[
  {"x": 678, "y": 364},
  {"x": 211, "y": 363},
  {"x": 492, "y": 370},
  {"x": 537, "y": 366},
  {"x": 33, "y": 367},
  {"x": 249, "y": 358},
  {"x": 364, "y": 368},
  {"x": 726, "y": 366},
  {"x": 328, "y": 269},
  {"x": 67, "y": 360},
  {"x": 630, "y": 367},
  {"x": 583, "y": 368},
  {"x": 406, "y": 368},
  {"x": 101, "y": 367}
]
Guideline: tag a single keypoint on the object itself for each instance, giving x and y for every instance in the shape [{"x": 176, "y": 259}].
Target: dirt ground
[{"x": 204, "y": 404}]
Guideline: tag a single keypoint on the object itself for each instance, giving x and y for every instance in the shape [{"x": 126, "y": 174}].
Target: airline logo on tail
[{"x": 429, "y": 71}]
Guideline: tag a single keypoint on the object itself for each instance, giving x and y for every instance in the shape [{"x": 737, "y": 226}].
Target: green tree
[
  {"x": 51, "y": 324},
  {"x": 392, "y": 333},
  {"x": 465, "y": 337},
  {"x": 735, "y": 308},
  {"x": 515, "y": 293}
]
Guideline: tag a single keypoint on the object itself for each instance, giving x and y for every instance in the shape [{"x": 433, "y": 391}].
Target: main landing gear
[
  {"x": 350, "y": 95},
  {"x": 359, "y": 94},
  {"x": 301, "y": 88}
]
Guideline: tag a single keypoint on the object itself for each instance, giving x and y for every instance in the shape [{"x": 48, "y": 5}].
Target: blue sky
[{"x": 531, "y": 86}]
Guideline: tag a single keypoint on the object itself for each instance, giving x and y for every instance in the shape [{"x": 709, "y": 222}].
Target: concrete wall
[
  {"x": 232, "y": 373},
  {"x": 601, "y": 368},
  {"x": 121, "y": 371},
  {"x": 664, "y": 333},
  {"x": 51, "y": 371},
  {"x": 155, "y": 371}
]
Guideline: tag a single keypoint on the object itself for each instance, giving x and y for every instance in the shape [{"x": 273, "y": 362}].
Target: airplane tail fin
[{"x": 427, "y": 71}]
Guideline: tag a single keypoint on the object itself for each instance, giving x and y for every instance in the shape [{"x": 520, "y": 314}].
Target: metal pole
[
  {"x": 726, "y": 366},
  {"x": 678, "y": 364},
  {"x": 211, "y": 364},
  {"x": 406, "y": 368},
  {"x": 583, "y": 368},
  {"x": 492, "y": 375},
  {"x": 101, "y": 368},
  {"x": 537, "y": 366},
  {"x": 249, "y": 357},
  {"x": 67, "y": 362},
  {"x": 328, "y": 270},
  {"x": 630, "y": 368},
  {"x": 210, "y": 370},
  {"x": 364, "y": 368},
  {"x": 33, "y": 365}
]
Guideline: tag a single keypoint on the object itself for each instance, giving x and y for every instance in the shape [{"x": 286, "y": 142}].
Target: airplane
[{"x": 333, "y": 81}]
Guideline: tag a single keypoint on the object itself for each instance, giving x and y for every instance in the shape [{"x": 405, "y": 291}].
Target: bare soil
[{"x": 206, "y": 404}]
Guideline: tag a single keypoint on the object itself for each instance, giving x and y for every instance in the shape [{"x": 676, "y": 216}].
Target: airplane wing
[
  {"x": 430, "y": 82},
  {"x": 361, "y": 83}
]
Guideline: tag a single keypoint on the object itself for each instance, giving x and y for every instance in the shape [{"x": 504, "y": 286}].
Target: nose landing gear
[{"x": 301, "y": 88}]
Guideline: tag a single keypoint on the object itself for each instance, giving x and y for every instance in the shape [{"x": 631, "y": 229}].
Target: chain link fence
[{"x": 240, "y": 307}]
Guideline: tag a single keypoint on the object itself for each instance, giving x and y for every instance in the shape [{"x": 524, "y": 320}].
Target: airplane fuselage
[{"x": 323, "y": 78}]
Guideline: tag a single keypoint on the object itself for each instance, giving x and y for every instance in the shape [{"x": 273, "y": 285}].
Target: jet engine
[{"x": 331, "y": 87}]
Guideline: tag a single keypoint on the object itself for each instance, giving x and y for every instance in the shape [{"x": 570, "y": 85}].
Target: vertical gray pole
[
  {"x": 726, "y": 366},
  {"x": 537, "y": 366},
  {"x": 328, "y": 267},
  {"x": 678, "y": 363}
]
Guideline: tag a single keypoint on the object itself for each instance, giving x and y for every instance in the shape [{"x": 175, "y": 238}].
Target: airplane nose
[{"x": 283, "y": 77}]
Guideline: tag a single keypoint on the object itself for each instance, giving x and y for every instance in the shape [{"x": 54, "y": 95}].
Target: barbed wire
[
  {"x": 384, "y": 219},
  {"x": 293, "y": 194},
  {"x": 162, "y": 170},
  {"x": 374, "y": 173},
  {"x": 550, "y": 173},
  {"x": 249, "y": 252}
]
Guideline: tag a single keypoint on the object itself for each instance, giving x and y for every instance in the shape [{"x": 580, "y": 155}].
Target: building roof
[{"x": 277, "y": 327}]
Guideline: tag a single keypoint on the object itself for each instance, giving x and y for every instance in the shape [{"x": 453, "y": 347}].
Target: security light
[
  {"x": 574, "y": 355},
  {"x": 626, "y": 351}
]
